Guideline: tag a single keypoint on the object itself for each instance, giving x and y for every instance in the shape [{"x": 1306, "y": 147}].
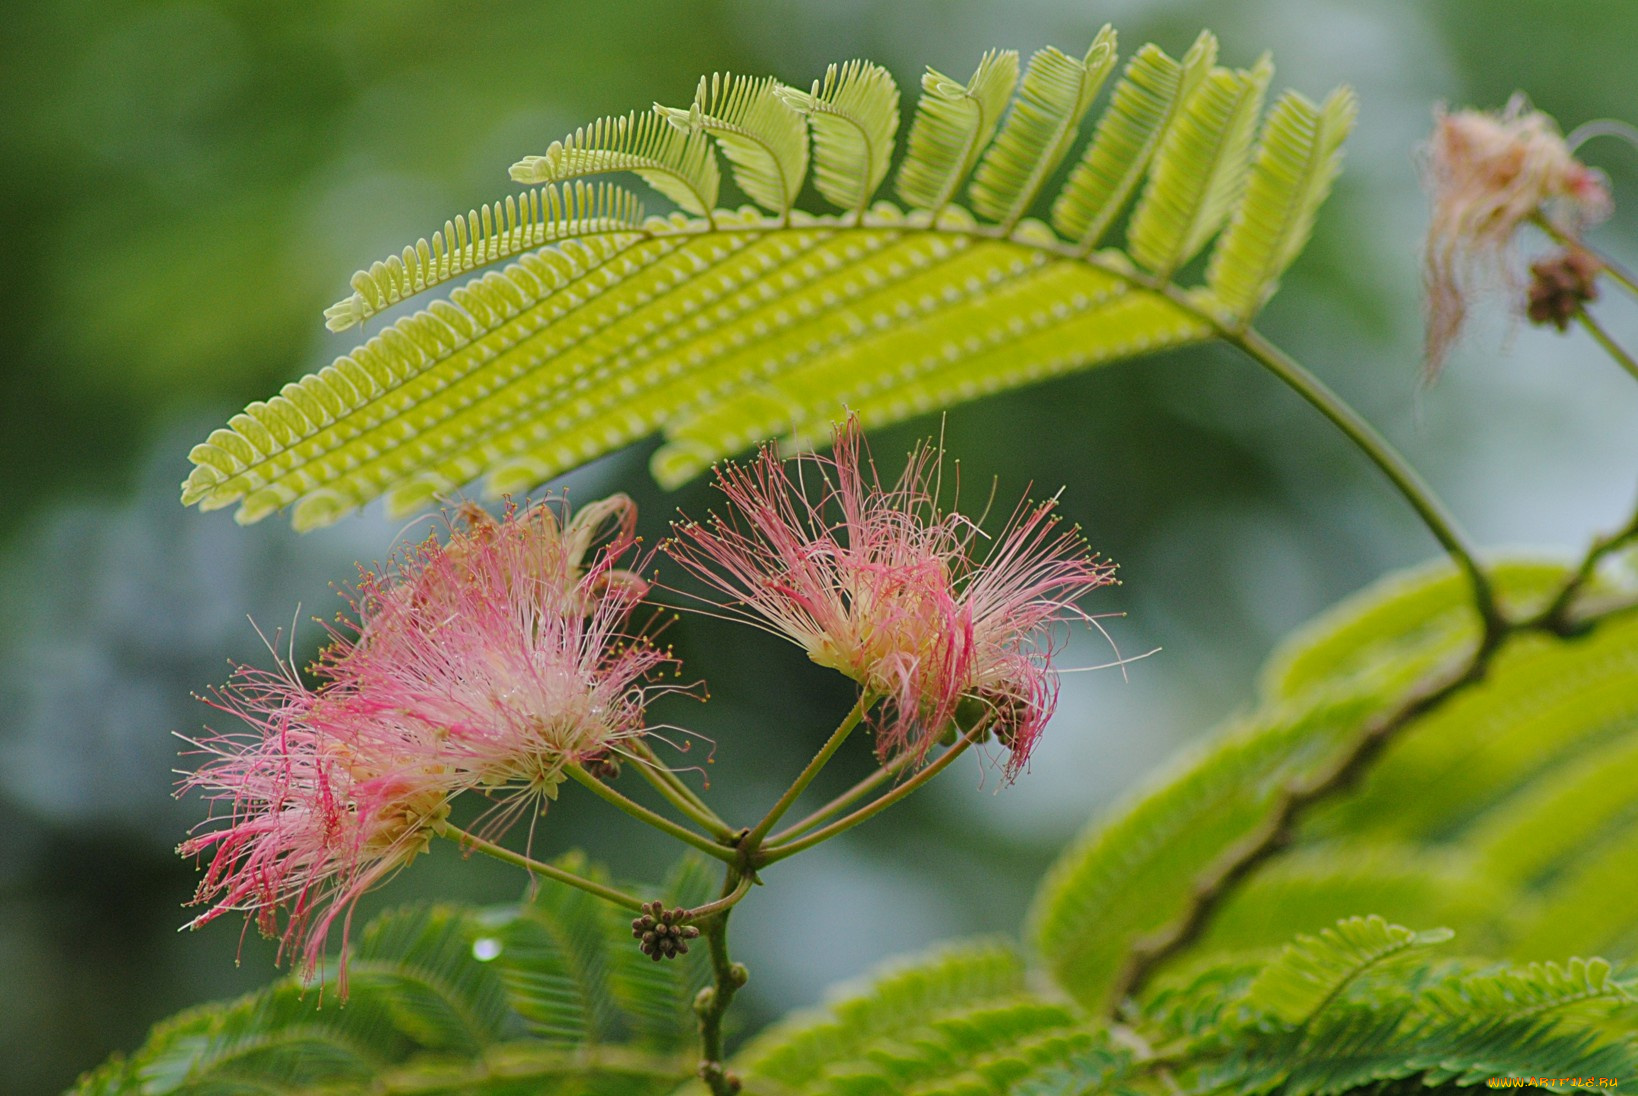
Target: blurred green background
[{"x": 187, "y": 184}]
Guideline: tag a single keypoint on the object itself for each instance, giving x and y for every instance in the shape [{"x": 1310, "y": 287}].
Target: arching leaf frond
[
  {"x": 766, "y": 142},
  {"x": 1135, "y": 872},
  {"x": 679, "y": 164},
  {"x": 1315, "y": 970},
  {"x": 529, "y": 998},
  {"x": 1145, "y": 100},
  {"x": 1056, "y": 92},
  {"x": 1528, "y": 993},
  {"x": 1200, "y": 169},
  {"x": 908, "y": 993},
  {"x": 725, "y": 328},
  {"x": 953, "y": 124},
  {"x": 854, "y": 113},
  {"x": 486, "y": 235},
  {"x": 1298, "y": 157}
]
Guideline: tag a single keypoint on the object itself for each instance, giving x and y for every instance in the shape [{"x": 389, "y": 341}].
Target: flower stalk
[
  {"x": 642, "y": 814},
  {"x": 475, "y": 843}
]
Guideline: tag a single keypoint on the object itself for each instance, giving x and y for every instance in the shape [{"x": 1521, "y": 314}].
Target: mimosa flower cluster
[
  {"x": 493, "y": 661},
  {"x": 510, "y": 655},
  {"x": 877, "y": 582}
]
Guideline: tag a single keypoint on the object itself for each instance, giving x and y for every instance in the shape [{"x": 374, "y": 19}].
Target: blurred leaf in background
[{"x": 186, "y": 185}]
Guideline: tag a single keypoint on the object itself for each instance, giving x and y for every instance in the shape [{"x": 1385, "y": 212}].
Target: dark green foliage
[{"x": 546, "y": 997}]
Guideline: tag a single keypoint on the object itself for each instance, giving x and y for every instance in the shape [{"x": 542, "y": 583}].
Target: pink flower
[
  {"x": 878, "y": 583},
  {"x": 1490, "y": 173},
  {"x": 319, "y": 814},
  {"x": 509, "y": 645},
  {"x": 492, "y": 661}
]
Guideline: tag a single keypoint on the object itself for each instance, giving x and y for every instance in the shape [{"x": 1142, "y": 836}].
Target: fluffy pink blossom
[
  {"x": 318, "y": 812},
  {"x": 492, "y": 660},
  {"x": 1488, "y": 174},
  {"x": 881, "y": 584}
]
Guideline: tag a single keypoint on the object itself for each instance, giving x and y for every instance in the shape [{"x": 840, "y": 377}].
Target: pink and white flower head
[
  {"x": 509, "y": 644},
  {"x": 879, "y": 583},
  {"x": 492, "y": 660},
  {"x": 317, "y": 813},
  {"x": 1488, "y": 174}
]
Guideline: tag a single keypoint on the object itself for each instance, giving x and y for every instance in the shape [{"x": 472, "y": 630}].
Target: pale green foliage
[
  {"x": 1314, "y": 970},
  {"x": 723, "y": 328},
  {"x": 676, "y": 162},
  {"x": 1291, "y": 175},
  {"x": 486, "y": 235},
  {"x": 766, "y": 142},
  {"x": 1526, "y": 993},
  {"x": 954, "y": 122},
  {"x": 1055, "y": 95},
  {"x": 1123, "y": 144},
  {"x": 854, "y": 113},
  {"x": 1199, "y": 169}
]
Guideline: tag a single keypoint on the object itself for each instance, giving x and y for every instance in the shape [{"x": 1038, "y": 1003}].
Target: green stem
[
  {"x": 1376, "y": 448},
  {"x": 727, "y": 977},
  {"x": 753, "y": 839},
  {"x": 489, "y": 848},
  {"x": 723, "y": 904},
  {"x": 863, "y": 788},
  {"x": 1556, "y": 616},
  {"x": 1611, "y": 347},
  {"x": 643, "y": 814},
  {"x": 773, "y": 853},
  {"x": 680, "y": 795}
]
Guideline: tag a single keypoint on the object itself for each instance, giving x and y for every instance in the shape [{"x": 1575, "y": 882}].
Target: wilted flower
[
  {"x": 493, "y": 660},
  {"x": 878, "y": 583},
  {"x": 1488, "y": 174}
]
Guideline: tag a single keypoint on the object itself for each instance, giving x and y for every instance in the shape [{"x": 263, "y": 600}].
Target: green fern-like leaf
[
  {"x": 796, "y": 1052},
  {"x": 766, "y": 142},
  {"x": 593, "y": 328},
  {"x": 1416, "y": 619},
  {"x": 493, "y": 232},
  {"x": 1296, "y": 161},
  {"x": 1056, "y": 92},
  {"x": 1134, "y": 874},
  {"x": 1362, "y": 1049},
  {"x": 1199, "y": 170},
  {"x": 1528, "y": 993},
  {"x": 953, "y": 124},
  {"x": 1320, "y": 884},
  {"x": 1315, "y": 970},
  {"x": 678, "y": 163},
  {"x": 854, "y": 112},
  {"x": 538, "y": 998},
  {"x": 1144, "y": 102}
]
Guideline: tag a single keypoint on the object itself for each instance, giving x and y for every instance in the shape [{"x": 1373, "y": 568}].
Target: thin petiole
[
  {"x": 489, "y": 848},
  {"x": 753, "y": 839},
  {"x": 1404, "y": 478},
  {"x": 1605, "y": 340},
  {"x": 726, "y": 902},
  {"x": 843, "y": 801},
  {"x": 773, "y": 853},
  {"x": 680, "y": 795},
  {"x": 643, "y": 814}
]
